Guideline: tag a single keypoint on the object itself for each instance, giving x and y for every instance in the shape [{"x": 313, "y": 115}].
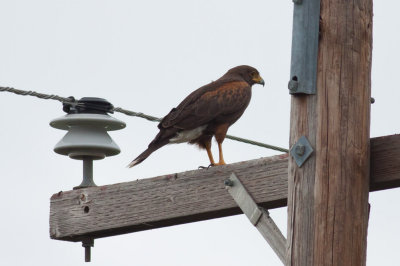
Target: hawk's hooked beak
[{"x": 259, "y": 80}]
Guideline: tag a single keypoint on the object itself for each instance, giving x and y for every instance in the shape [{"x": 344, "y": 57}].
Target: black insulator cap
[
  {"x": 67, "y": 105},
  {"x": 88, "y": 105}
]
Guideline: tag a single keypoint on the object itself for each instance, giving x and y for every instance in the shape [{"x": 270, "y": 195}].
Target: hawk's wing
[{"x": 207, "y": 103}]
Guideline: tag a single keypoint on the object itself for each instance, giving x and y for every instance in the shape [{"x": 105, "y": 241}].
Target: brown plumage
[{"x": 208, "y": 111}]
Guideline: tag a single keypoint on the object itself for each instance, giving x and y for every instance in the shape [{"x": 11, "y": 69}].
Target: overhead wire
[{"x": 130, "y": 113}]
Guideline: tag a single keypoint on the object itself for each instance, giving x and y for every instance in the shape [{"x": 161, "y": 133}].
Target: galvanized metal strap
[
  {"x": 305, "y": 37},
  {"x": 258, "y": 217}
]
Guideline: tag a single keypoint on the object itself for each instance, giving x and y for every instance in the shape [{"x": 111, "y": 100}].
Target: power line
[
  {"x": 130, "y": 113},
  {"x": 36, "y": 94},
  {"x": 256, "y": 143},
  {"x": 156, "y": 119}
]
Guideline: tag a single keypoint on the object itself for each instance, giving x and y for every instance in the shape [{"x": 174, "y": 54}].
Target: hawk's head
[{"x": 248, "y": 73}]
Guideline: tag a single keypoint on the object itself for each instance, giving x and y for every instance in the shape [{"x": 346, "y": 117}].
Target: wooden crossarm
[{"x": 191, "y": 196}]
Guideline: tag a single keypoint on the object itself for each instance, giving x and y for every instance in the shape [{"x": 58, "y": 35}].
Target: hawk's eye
[{"x": 253, "y": 74}]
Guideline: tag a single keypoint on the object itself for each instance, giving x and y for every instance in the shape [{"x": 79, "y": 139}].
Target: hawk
[{"x": 206, "y": 113}]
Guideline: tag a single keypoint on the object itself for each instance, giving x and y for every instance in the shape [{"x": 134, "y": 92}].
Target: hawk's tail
[
  {"x": 159, "y": 141},
  {"x": 143, "y": 156}
]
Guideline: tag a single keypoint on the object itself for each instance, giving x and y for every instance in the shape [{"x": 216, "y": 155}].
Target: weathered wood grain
[
  {"x": 385, "y": 162},
  {"x": 191, "y": 196},
  {"x": 328, "y": 196},
  {"x": 164, "y": 200},
  {"x": 343, "y": 160}
]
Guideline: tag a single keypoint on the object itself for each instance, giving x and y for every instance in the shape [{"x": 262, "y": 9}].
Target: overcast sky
[{"x": 146, "y": 56}]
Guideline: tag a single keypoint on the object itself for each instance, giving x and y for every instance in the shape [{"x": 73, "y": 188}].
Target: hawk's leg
[
  {"x": 220, "y": 134},
  {"x": 221, "y": 155},
  {"x": 207, "y": 144}
]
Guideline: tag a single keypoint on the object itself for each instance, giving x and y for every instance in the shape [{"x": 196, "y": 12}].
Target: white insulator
[{"x": 87, "y": 135}]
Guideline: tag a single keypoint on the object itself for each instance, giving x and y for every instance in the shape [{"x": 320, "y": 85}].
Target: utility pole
[{"x": 328, "y": 195}]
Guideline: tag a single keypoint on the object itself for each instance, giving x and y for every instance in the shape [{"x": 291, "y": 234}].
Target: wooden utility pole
[{"x": 328, "y": 195}]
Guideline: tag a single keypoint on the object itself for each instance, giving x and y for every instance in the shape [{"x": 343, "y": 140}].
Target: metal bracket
[
  {"x": 305, "y": 35},
  {"x": 87, "y": 243},
  {"x": 258, "y": 217},
  {"x": 301, "y": 151},
  {"x": 87, "y": 180}
]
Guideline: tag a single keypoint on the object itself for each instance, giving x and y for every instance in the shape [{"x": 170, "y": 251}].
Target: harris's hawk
[{"x": 208, "y": 111}]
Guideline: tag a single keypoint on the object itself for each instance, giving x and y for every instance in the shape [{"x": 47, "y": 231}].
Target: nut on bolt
[
  {"x": 228, "y": 183},
  {"x": 293, "y": 85},
  {"x": 300, "y": 149}
]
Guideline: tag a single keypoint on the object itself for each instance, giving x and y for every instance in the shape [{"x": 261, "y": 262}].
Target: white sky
[{"x": 147, "y": 56}]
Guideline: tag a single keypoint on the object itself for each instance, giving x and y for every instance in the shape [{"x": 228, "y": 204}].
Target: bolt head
[
  {"x": 228, "y": 183},
  {"x": 300, "y": 150},
  {"x": 293, "y": 85}
]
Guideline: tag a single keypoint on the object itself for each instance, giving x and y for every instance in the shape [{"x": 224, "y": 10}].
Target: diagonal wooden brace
[{"x": 259, "y": 217}]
